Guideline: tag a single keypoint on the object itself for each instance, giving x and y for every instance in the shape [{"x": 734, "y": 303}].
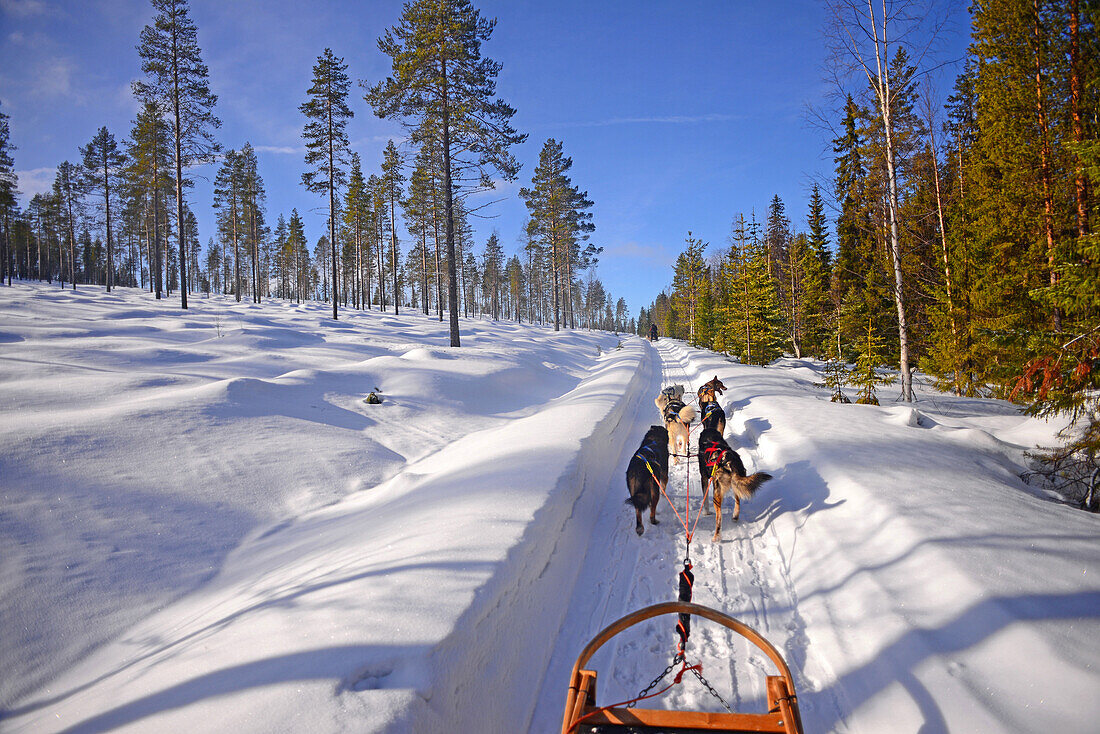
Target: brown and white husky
[
  {"x": 721, "y": 465},
  {"x": 677, "y": 417}
]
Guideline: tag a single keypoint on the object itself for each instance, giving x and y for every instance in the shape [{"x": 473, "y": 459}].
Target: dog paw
[
  {"x": 639, "y": 530},
  {"x": 654, "y": 521}
]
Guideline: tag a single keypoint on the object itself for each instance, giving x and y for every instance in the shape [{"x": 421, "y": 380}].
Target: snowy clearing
[{"x": 204, "y": 527}]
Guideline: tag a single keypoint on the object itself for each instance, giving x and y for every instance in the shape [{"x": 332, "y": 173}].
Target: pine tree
[
  {"x": 440, "y": 80},
  {"x": 298, "y": 255},
  {"x": 420, "y": 216},
  {"x": 358, "y": 219},
  {"x": 9, "y": 186},
  {"x": 559, "y": 219},
  {"x": 492, "y": 269},
  {"x": 253, "y": 196},
  {"x": 69, "y": 192},
  {"x": 102, "y": 160},
  {"x": 229, "y": 201},
  {"x": 392, "y": 179},
  {"x": 327, "y": 113},
  {"x": 178, "y": 81},
  {"x": 147, "y": 178}
]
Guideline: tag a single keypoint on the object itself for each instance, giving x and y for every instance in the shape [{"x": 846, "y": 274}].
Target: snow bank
[{"x": 204, "y": 527}]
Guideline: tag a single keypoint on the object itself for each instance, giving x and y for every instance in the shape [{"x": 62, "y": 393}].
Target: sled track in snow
[{"x": 745, "y": 575}]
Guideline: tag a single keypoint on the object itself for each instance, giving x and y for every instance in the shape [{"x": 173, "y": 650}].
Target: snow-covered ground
[{"x": 204, "y": 528}]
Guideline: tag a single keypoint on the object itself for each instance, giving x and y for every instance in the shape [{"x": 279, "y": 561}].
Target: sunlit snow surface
[{"x": 204, "y": 528}]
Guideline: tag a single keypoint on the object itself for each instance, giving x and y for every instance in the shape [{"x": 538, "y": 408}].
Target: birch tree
[{"x": 863, "y": 38}]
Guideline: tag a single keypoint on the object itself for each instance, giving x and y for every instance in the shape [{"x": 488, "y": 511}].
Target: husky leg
[
  {"x": 717, "y": 518},
  {"x": 736, "y": 507},
  {"x": 655, "y": 495},
  {"x": 638, "y": 521}
]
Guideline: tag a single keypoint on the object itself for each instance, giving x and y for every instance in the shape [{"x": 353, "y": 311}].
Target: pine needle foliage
[
  {"x": 441, "y": 87},
  {"x": 327, "y": 114}
]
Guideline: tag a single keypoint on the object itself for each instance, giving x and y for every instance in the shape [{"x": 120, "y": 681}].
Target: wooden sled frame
[{"x": 580, "y": 700}]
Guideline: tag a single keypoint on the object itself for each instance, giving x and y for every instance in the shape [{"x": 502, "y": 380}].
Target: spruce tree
[
  {"x": 439, "y": 79},
  {"x": 690, "y": 282},
  {"x": 327, "y": 113},
  {"x": 866, "y": 376},
  {"x": 179, "y": 82}
]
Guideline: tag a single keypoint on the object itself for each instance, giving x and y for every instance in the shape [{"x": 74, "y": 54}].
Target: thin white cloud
[
  {"x": 660, "y": 119},
  {"x": 24, "y": 8},
  {"x": 35, "y": 181},
  {"x": 281, "y": 149}
]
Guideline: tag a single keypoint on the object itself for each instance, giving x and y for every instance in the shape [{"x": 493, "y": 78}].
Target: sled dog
[
  {"x": 720, "y": 464},
  {"x": 677, "y": 418},
  {"x": 715, "y": 386},
  {"x": 646, "y": 474},
  {"x": 712, "y": 414}
]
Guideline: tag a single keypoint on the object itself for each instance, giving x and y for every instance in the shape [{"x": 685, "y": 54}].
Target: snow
[{"x": 204, "y": 527}]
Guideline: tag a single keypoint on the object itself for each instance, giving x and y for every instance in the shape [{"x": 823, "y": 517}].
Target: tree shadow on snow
[
  {"x": 796, "y": 488},
  {"x": 323, "y": 664},
  {"x": 897, "y": 661}
]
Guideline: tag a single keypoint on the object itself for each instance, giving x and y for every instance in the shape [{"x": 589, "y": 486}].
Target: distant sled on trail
[{"x": 584, "y": 716}]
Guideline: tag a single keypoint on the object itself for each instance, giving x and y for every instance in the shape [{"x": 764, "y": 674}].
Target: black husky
[
  {"x": 718, "y": 460},
  {"x": 647, "y": 474}
]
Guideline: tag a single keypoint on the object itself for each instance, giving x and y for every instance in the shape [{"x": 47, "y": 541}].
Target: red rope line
[{"x": 675, "y": 681}]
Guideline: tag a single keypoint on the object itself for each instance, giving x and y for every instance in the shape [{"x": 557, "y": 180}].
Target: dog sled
[{"x": 584, "y": 716}]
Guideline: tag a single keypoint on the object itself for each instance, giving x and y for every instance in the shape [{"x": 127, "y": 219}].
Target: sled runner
[{"x": 583, "y": 716}]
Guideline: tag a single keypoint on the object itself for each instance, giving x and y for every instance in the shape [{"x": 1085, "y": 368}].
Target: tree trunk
[
  {"x": 332, "y": 206},
  {"x": 236, "y": 249},
  {"x": 179, "y": 167},
  {"x": 107, "y": 208},
  {"x": 882, "y": 84},
  {"x": 1080, "y": 185},
  {"x": 448, "y": 204},
  {"x": 393, "y": 251},
  {"x": 946, "y": 260},
  {"x": 1044, "y": 162}
]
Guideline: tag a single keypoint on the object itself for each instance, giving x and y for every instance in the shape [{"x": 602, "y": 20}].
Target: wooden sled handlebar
[{"x": 580, "y": 700}]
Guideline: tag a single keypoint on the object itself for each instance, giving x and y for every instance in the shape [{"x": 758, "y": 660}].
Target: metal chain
[
  {"x": 710, "y": 688},
  {"x": 672, "y": 666}
]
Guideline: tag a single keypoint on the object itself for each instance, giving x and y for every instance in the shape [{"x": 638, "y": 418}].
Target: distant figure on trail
[{"x": 653, "y": 332}]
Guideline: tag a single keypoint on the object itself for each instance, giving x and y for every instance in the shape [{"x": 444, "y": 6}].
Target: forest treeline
[
  {"x": 997, "y": 269},
  {"x": 398, "y": 237}
]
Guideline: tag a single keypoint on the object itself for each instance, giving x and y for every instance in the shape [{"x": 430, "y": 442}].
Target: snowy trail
[{"x": 744, "y": 576}]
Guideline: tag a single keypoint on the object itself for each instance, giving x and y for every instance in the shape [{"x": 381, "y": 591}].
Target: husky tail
[{"x": 745, "y": 487}]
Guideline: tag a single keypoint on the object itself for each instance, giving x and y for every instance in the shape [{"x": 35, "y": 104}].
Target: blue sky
[{"x": 677, "y": 115}]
